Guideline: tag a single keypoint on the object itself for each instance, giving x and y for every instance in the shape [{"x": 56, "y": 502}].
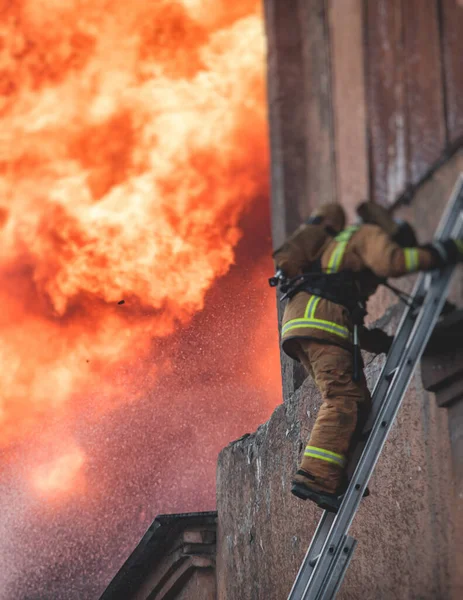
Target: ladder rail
[
  {"x": 340, "y": 566},
  {"x": 382, "y": 384},
  {"x": 322, "y": 578},
  {"x": 315, "y": 548},
  {"x": 327, "y": 519},
  {"x": 365, "y": 468},
  {"x": 443, "y": 231}
]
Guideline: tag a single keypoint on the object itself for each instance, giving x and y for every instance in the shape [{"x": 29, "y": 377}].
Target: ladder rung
[
  {"x": 313, "y": 562},
  {"x": 391, "y": 374}
]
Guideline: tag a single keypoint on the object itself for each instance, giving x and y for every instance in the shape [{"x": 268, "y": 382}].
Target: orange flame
[{"x": 133, "y": 140}]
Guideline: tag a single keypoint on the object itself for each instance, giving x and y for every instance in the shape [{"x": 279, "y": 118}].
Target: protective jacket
[{"x": 370, "y": 254}]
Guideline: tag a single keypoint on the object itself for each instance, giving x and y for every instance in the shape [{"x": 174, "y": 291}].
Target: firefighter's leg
[{"x": 344, "y": 404}]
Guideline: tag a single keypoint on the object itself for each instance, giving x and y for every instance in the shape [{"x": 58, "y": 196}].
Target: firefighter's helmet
[{"x": 332, "y": 214}]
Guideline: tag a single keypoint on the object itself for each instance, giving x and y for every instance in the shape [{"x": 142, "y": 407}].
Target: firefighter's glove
[
  {"x": 375, "y": 340},
  {"x": 448, "y": 252},
  {"x": 405, "y": 235},
  {"x": 383, "y": 341}
]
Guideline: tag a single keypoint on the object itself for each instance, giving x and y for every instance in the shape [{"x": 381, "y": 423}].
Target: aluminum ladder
[{"x": 331, "y": 550}]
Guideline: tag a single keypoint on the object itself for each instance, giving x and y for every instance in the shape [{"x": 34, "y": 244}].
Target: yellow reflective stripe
[
  {"x": 327, "y": 326},
  {"x": 345, "y": 235},
  {"x": 311, "y": 306},
  {"x": 310, "y": 321},
  {"x": 327, "y": 455},
  {"x": 459, "y": 244},
  {"x": 314, "y": 308},
  {"x": 411, "y": 259},
  {"x": 323, "y": 451},
  {"x": 336, "y": 257}
]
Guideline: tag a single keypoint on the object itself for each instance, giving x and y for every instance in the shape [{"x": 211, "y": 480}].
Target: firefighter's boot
[{"x": 306, "y": 487}]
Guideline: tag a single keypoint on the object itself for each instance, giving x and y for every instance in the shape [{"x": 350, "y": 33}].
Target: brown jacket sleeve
[
  {"x": 288, "y": 258},
  {"x": 386, "y": 258}
]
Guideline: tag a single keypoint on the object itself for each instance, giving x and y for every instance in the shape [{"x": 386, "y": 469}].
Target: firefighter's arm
[
  {"x": 374, "y": 340},
  {"x": 387, "y": 259}
]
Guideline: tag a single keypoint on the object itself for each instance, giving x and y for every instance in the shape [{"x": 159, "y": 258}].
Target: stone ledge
[
  {"x": 174, "y": 549},
  {"x": 442, "y": 362}
]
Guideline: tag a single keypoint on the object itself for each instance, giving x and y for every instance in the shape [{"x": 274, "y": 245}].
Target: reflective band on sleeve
[
  {"x": 327, "y": 455},
  {"x": 459, "y": 244},
  {"x": 411, "y": 259}
]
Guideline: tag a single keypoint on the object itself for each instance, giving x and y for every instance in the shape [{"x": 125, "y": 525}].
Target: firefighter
[{"x": 318, "y": 328}]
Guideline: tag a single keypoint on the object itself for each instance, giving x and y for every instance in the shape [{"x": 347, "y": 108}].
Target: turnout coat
[{"x": 372, "y": 255}]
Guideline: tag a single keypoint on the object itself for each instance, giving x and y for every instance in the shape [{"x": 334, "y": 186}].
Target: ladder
[{"x": 331, "y": 550}]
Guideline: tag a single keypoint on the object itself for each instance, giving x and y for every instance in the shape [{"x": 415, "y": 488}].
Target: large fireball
[{"x": 132, "y": 140}]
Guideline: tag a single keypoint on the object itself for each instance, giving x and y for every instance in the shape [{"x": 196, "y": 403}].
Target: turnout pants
[{"x": 342, "y": 415}]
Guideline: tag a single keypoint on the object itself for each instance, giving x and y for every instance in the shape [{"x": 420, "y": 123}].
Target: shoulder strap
[{"x": 341, "y": 242}]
